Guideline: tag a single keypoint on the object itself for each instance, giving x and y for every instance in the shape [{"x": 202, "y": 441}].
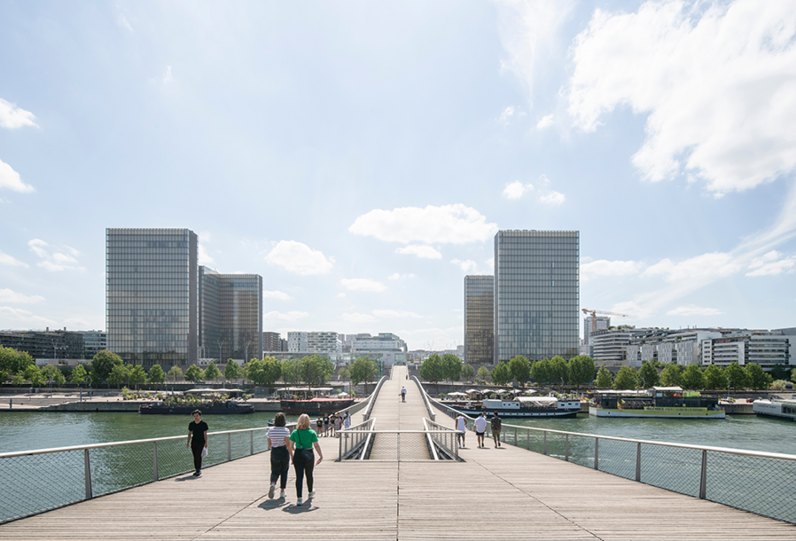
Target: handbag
[{"x": 306, "y": 455}]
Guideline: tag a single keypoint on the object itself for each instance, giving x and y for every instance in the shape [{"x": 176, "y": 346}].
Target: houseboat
[
  {"x": 784, "y": 409},
  {"x": 656, "y": 403},
  {"x": 315, "y": 406},
  {"x": 210, "y": 402},
  {"x": 524, "y": 407}
]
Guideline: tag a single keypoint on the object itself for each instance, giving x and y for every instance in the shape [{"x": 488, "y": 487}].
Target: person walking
[
  {"x": 338, "y": 424},
  {"x": 461, "y": 428},
  {"x": 197, "y": 440},
  {"x": 326, "y": 425},
  {"x": 347, "y": 420},
  {"x": 480, "y": 427},
  {"x": 319, "y": 426},
  {"x": 496, "y": 426},
  {"x": 301, "y": 442},
  {"x": 280, "y": 454},
  {"x": 403, "y": 394}
]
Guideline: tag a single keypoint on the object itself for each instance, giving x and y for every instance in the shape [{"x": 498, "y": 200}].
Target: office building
[
  {"x": 591, "y": 324},
  {"x": 536, "y": 294},
  {"x": 765, "y": 348},
  {"x": 666, "y": 346},
  {"x": 479, "y": 321},
  {"x": 231, "y": 308},
  {"x": 386, "y": 349},
  {"x": 272, "y": 341},
  {"x": 55, "y": 344},
  {"x": 152, "y": 295},
  {"x": 297, "y": 341}
]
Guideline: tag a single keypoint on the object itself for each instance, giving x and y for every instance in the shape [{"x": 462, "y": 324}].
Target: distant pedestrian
[
  {"x": 403, "y": 394},
  {"x": 326, "y": 425},
  {"x": 197, "y": 440},
  {"x": 319, "y": 426},
  {"x": 347, "y": 420},
  {"x": 301, "y": 443},
  {"x": 480, "y": 427},
  {"x": 496, "y": 426},
  {"x": 338, "y": 424},
  {"x": 461, "y": 428},
  {"x": 280, "y": 454}
]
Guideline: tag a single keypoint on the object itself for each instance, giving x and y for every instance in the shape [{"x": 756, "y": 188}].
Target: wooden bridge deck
[{"x": 506, "y": 493}]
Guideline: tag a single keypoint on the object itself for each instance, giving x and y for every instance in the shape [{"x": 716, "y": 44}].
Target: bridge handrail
[
  {"x": 445, "y": 433},
  {"x": 424, "y": 394},
  {"x": 361, "y": 404},
  {"x": 373, "y": 396}
]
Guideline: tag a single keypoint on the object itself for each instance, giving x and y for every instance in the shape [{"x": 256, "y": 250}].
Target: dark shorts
[{"x": 477, "y": 433}]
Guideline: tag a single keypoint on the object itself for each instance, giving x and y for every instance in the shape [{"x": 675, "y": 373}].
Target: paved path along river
[{"x": 506, "y": 493}]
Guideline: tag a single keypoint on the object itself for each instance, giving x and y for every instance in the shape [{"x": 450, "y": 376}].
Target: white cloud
[
  {"x": 693, "y": 310},
  {"x": 553, "y": 198},
  {"x": 167, "y": 76},
  {"x": 632, "y": 309},
  {"x": 204, "y": 257},
  {"x": 294, "y": 315},
  {"x": 10, "y": 179},
  {"x": 53, "y": 260},
  {"x": 603, "y": 267},
  {"x": 6, "y": 295},
  {"x": 456, "y": 224},
  {"x": 506, "y": 115},
  {"x": 278, "y": 295},
  {"x": 18, "y": 318},
  {"x": 426, "y": 252},
  {"x": 713, "y": 265},
  {"x": 363, "y": 284},
  {"x": 718, "y": 84},
  {"x": 299, "y": 258},
  {"x": 121, "y": 20},
  {"x": 395, "y": 314},
  {"x": 544, "y": 122},
  {"x": 770, "y": 264},
  {"x": 341, "y": 295},
  {"x": 528, "y": 28},
  {"x": 467, "y": 265},
  {"x": 11, "y": 261},
  {"x": 358, "y": 318},
  {"x": 490, "y": 263},
  {"x": 13, "y": 117},
  {"x": 396, "y": 276},
  {"x": 516, "y": 189}
]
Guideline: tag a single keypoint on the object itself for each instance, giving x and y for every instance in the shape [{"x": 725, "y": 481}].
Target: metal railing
[
  {"x": 354, "y": 440},
  {"x": 44, "y": 479},
  {"x": 424, "y": 394},
  {"x": 374, "y": 395},
  {"x": 351, "y": 410},
  {"x": 441, "y": 437},
  {"x": 399, "y": 445},
  {"x": 755, "y": 481}
]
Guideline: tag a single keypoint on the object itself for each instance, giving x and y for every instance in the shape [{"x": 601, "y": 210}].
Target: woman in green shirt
[{"x": 301, "y": 443}]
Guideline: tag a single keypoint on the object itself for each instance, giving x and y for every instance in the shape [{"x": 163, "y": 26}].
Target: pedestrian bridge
[{"x": 398, "y": 491}]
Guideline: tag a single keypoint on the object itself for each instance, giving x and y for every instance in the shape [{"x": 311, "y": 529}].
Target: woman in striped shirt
[{"x": 280, "y": 454}]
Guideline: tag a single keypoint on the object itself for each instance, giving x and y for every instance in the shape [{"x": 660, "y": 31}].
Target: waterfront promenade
[{"x": 506, "y": 493}]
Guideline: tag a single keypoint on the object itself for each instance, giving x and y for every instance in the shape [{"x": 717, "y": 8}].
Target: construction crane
[{"x": 594, "y": 316}]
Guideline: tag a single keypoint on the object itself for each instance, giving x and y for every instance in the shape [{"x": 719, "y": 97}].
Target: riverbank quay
[
  {"x": 507, "y": 493},
  {"x": 95, "y": 402}
]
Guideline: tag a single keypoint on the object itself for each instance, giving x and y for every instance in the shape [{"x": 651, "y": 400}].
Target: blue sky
[{"x": 361, "y": 155}]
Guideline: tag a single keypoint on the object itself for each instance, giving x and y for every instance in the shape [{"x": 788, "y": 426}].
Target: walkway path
[{"x": 506, "y": 493}]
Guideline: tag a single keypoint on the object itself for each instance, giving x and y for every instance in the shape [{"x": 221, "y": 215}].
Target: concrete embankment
[{"x": 46, "y": 403}]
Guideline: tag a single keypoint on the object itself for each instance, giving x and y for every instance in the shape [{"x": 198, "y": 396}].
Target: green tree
[
  {"x": 264, "y": 372},
  {"x": 453, "y": 366},
  {"x": 137, "y": 375},
  {"x": 433, "y": 369},
  {"x": 648, "y": 375},
  {"x": 736, "y": 376},
  {"x": 49, "y": 372},
  {"x": 604, "y": 379},
  {"x": 520, "y": 369},
  {"x": 501, "y": 374},
  {"x": 13, "y": 361},
  {"x": 758, "y": 379},
  {"x": 156, "y": 374},
  {"x": 714, "y": 377},
  {"x": 541, "y": 371},
  {"x": 291, "y": 371},
  {"x": 468, "y": 373},
  {"x": 175, "y": 372},
  {"x": 483, "y": 373},
  {"x": 363, "y": 370},
  {"x": 119, "y": 374},
  {"x": 18, "y": 379},
  {"x": 692, "y": 378},
  {"x": 580, "y": 370},
  {"x": 626, "y": 378},
  {"x": 558, "y": 370},
  {"x": 35, "y": 375},
  {"x": 793, "y": 375},
  {"x": 212, "y": 371},
  {"x": 672, "y": 375},
  {"x": 232, "y": 370},
  {"x": 3, "y": 376},
  {"x": 194, "y": 373},
  {"x": 78, "y": 375},
  {"x": 316, "y": 370},
  {"x": 780, "y": 371},
  {"x": 103, "y": 363},
  {"x": 344, "y": 373}
]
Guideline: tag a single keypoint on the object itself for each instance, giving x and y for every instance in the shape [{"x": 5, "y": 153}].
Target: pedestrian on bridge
[
  {"x": 301, "y": 442},
  {"x": 461, "y": 430},
  {"x": 197, "y": 440},
  {"x": 497, "y": 424},
  {"x": 280, "y": 454},
  {"x": 480, "y": 427}
]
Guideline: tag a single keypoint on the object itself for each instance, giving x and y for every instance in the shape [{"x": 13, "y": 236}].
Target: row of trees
[{"x": 692, "y": 376}]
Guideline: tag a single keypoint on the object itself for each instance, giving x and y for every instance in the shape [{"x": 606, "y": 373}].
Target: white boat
[
  {"x": 525, "y": 407},
  {"x": 785, "y": 409}
]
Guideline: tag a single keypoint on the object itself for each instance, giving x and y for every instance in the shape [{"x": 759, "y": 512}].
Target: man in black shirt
[
  {"x": 496, "y": 426},
  {"x": 197, "y": 429}
]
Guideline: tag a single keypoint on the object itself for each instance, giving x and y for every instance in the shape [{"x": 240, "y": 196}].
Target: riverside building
[
  {"x": 536, "y": 294},
  {"x": 479, "y": 321}
]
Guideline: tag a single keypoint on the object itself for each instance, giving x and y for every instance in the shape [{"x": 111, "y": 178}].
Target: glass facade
[
  {"x": 479, "y": 322},
  {"x": 231, "y": 326},
  {"x": 536, "y": 294},
  {"x": 152, "y": 312}
]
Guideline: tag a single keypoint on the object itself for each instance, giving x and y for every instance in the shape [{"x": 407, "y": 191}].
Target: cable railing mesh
[
  {"x": 618, "y": 458},
  {"x": 672, "y": 468}
]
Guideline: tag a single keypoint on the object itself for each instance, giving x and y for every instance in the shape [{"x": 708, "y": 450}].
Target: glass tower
[
  {"x": 151, "y": 281},
  {"x": 479, "y": 323},
  {"x": 536, "y": 294}
]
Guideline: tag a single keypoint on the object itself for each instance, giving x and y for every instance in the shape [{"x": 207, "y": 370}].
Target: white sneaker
[
  {"x": 299, "y": 501},
  {"x": 282, "y": 495},
  {"x": 271, "y": 492},
  {"x": 312, "y": 494}
]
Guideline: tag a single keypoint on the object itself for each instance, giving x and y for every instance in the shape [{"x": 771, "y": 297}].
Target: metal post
[
  {"x": 703, "y": 478},
  {"x": 544, "y": 449},
  {"x": 229, "y": 447},
  {"x": 638, "y": 462},
  {"x": 87, "y": 472},
  {"x": 528, "y": 435},
  {"x": 566, "y": 448},
  {"x": 596, "y": 453},
  {"x": 515, "y": 436},
  {"x": 340, "y": 446},
  {"x": 398, "y": 445},
  {"x": 251, "y": 442},
  {"x": 154, "y": 461}
]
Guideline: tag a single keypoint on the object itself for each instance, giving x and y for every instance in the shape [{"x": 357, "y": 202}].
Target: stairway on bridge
[{"x": 508, "y": 493}]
